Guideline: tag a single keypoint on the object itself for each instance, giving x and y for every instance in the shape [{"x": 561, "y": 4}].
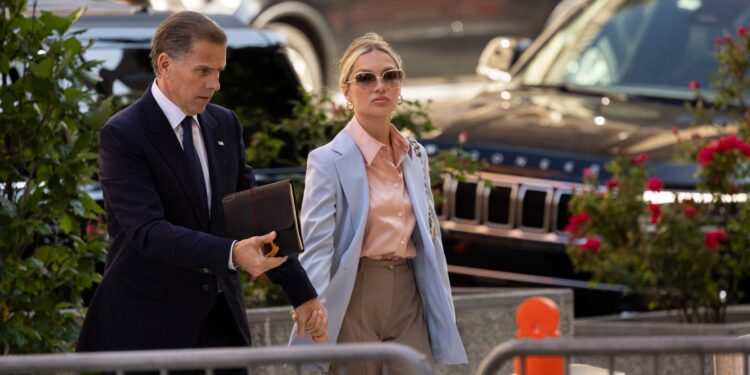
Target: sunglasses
[{"x": 391, "y": 79}]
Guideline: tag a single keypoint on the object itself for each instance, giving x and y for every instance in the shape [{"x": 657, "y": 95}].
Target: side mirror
[{"x": 498, "y": 56}]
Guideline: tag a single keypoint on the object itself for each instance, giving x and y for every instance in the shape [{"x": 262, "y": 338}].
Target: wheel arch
[{"x": 309, "y": 21}]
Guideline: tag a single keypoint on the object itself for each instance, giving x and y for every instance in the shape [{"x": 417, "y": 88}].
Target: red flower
[
  {"x": 675, "y": 130},
  {"x": 694, "y": 85},
  {"x": 727, "y": 39},
  {"x": 741, "y": 31},
  {"x": 639, "y": 159},
  {"x": 718, "y": 41},
  {"x": 713, "y": 238},
  {"x": 463, "y": 137},
  {"x": 706, "y": 154},
  {"x": 575, "y": 220},
  {"x": 588, "y": 173},
  {"x": 745, "y": 149},
  {"x": 590, "y": 244},
  {"x": 655, "y": 212},
  {"x": 90, "y": 228},
  {"x": 611, "y": 183},
  {"x": 729, "y": 142},
  {"x": 654, "y": 184},
  {"x": 689, "y": 211}
]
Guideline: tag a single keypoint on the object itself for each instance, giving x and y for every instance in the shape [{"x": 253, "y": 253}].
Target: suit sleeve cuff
[{"x": 231, "y": 252}]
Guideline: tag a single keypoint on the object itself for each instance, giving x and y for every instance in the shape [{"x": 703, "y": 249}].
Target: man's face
[{"x": 191, "y": 81}]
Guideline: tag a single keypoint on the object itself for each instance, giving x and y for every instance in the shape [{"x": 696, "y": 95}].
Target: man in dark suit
[{"x": 166, "y": 161}]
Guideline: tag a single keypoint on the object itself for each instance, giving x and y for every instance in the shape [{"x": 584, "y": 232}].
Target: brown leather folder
[{"x": 266, "y": 208}]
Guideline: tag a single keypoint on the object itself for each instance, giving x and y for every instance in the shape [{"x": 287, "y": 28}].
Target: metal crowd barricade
[
  {"x": 213, "y": 359},
  {"x": 703, "y": 347}
]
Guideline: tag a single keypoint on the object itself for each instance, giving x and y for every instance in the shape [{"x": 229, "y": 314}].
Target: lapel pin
[{"x": 221, "y": 143}]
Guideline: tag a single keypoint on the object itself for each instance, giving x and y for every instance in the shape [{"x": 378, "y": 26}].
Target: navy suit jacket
[{"x": 167, "y": 258}]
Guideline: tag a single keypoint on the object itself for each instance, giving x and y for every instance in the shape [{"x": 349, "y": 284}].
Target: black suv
[
  {"x": 607, "y": 78},
  {"x": 258, "y": 75}
]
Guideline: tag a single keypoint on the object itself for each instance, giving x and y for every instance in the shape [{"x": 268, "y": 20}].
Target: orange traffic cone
[{"x": 538, "y": 318}]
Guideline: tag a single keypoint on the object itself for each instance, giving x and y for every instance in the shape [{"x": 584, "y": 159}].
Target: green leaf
[
  {"x": 77, "y": 207},
  {"x": 9, "y": 209},
  {"x": 43, "y": 69},
  {"x": 35, "y": 264},
  {"x": 75, "y": 15},
  {"x": 4, "y": 64},
  {"x": 101, "y": 114},
  {"x": 54, "y": 22},
  {"x": 90, "y": 204},
  {"x": 72, "y": 46},
  {"x": 66, "y": 223}
]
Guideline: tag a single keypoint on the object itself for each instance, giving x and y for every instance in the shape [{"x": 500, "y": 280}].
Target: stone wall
[{"x": 485, "y": 317}]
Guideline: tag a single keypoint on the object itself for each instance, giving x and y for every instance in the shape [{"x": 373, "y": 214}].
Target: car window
[
  {"x": 255, "y": 79},
  {"x": 649, "y": 47}
]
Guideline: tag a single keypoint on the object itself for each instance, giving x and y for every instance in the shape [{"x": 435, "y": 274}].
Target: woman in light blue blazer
[{"x": 348, "y": 228}]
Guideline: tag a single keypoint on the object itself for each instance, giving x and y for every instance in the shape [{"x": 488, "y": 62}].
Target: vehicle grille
[
  {"x": 499, "y": 207},
  {"x": 534, "y": 208},
  {"x": 507, "y": 206},
  {"x": 466, "y": 201}
]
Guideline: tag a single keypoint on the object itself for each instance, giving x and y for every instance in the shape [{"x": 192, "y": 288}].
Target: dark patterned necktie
[{"x": 196, "y": 171}]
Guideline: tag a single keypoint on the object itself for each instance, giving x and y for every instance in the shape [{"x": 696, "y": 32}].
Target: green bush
[
  {"x": 313, "y": 122},
  {"x": 48, "y": 153},
  {"x": 687, "y": 254}
]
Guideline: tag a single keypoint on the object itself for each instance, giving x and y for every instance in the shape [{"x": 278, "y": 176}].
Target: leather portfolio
[{"x": 260, "y": 210}]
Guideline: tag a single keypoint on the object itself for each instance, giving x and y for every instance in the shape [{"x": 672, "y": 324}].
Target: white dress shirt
[{"x": 175, "y": 116}]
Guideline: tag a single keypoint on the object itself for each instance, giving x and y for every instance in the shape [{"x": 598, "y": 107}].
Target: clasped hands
[{"x": 311, "y": 317}]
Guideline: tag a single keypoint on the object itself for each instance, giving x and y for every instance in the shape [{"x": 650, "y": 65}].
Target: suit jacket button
[{"x": 206, "y": 287}]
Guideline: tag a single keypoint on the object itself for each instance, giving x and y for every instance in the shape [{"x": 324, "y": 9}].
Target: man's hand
[
  {"x": 312, "y": 319},
  {"x": 247, "y": 255}
]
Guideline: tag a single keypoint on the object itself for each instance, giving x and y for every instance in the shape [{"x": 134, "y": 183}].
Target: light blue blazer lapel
[{"x": 350, "y": 169}]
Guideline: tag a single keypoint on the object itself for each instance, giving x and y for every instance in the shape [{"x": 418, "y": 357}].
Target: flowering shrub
[{"x": 689, "y": 254}]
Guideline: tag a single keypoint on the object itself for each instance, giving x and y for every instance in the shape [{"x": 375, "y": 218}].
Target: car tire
[{"x": 303, "y": 57}]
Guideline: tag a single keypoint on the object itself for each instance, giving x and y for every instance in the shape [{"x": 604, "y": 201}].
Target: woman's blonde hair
[{"x": 360, "y": 46}]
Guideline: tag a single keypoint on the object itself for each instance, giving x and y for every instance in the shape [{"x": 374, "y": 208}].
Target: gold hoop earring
[
  {"x": 350, "y": 106},
  {"x": 400, "y": 99}
]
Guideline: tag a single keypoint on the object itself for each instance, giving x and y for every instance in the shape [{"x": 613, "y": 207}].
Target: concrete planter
[{"x": 661, "y": 323}]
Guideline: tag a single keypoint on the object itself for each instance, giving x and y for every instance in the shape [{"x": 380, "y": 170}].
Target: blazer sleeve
[
  {"x": 133, "y": 199},
  {"x": 318, "y": 219}
]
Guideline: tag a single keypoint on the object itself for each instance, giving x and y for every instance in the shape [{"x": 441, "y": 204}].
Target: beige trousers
[{"x": 385, "y": 307}]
